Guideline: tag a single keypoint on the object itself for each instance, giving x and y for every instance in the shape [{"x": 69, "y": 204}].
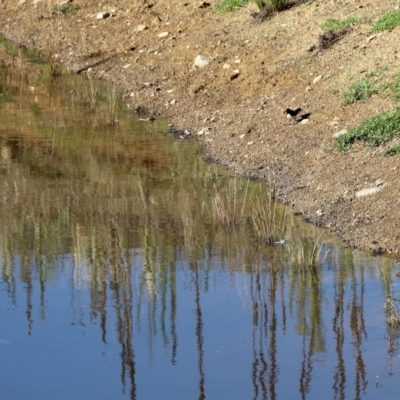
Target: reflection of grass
[
  {"x": 374, "y": 130},
  {"x": 387, "y": 21},
  {"x": 392, "y": 314},
  {"x": 336, "y": 24}
]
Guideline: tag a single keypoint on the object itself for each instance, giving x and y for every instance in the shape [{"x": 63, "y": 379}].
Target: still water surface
[{"x": 121, "y": 279}]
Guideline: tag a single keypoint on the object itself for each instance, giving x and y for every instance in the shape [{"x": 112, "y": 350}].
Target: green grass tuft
[
  {"x": 387, "y": 21},
  {"x": 396, "y": 88},
  {"x": 374, "y": 130},
  {"x": 335, "y": 24},
  {"x": 393, "y": 151},
  {"x": 360, "y": 91},
  {"x": 230, "y": 5},
  {"x": 273, "y": 5}
]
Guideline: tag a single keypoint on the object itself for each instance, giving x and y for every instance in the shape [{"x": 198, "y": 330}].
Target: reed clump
[
  {"x": 305, "y": 257},
  {"x": 233, "y": 204}
]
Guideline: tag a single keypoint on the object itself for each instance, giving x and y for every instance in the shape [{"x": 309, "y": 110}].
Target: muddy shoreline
[{"x": 234, "y": 106}]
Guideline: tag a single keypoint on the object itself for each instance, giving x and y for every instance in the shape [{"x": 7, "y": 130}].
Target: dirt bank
[{"x": 234, "y": 106}]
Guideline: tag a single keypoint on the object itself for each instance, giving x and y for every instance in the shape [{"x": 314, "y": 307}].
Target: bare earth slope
[{"x": 238, "y": 116}]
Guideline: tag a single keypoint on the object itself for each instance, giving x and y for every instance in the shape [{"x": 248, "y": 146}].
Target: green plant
[
  {"x": 66, "y": 9},
  {"x": 335, "y": 24},
  {"x": 113, "y": 97},
  {"x": 387, "y": 21},
  {"x": 274, "y": 5},
  {"x": 268, "y": 217},
  {"x": 305, "y": 257},
  {"x": 230, "y": 5},
  {"x": 393, "y": 151},
  {"x": 360, "y": 90},
  {"x": 226, "y": 203},
  {"x": 396, "y": 88},
  {"x": 90, "y": 94},
  {"x": 374, "y": 130}
]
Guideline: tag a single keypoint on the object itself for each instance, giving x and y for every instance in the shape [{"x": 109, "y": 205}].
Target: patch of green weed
[
  {"x": 393, "y": 151},
  {"x": 335, "y": 24},
  {"x": 360, "y": 91},
  {"x": 374, "y": 130},
  {"x": 396, "y": 88},
  {"x": 274, "y": 5},
  {"x": 66, "y": 9},
  {"x": 230, "y": 5},
  {"x": 387, "y": 21}
]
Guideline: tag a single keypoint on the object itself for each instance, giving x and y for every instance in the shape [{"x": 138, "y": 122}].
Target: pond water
[{"x": 131, "y": 269}]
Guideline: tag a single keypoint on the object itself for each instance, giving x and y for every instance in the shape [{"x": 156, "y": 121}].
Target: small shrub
[
  {"x": 396, "y": 88},
  {"x": 230, "y": 5},
  {"x": 387, "y": 21},
  {"x": 374, "y": 130},
  {"x": 360, "y": 90},
  {"x": 274, "y": 5},
  {"x": 393, "y": 151},
  {"x": 66, "y": 9},
  {"x": 336, "y": 24}
]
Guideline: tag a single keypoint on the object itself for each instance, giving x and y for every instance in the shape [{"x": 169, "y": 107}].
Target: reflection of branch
[
  {"x": 27, "y": 278},
  {"x": 123, "y": 299},
  {"x": 306, "y": 365},
  {"x": 261, "y": 298},
  {"x": 199, "y": 334},
  {"x": 358, "y": 331},
  {"x": 173, "y": 313},
  {"x": 339, "y": 379}
]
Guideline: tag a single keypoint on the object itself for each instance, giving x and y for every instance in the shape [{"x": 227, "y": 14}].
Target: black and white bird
[{"x": 292, "y": 113}]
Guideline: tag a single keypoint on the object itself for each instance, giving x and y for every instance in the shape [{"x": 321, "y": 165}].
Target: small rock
[
  {"x": 319, "y": 212},
  {"x": 141, "y": 28},
  {"x": 335, "y": 122},
  {"x": 226, "y": 66},
  {"x": 103, "y": 15},
  {"x": 235, "y": 74},
  {"x": 379, "y": 182},
  {"x": 317, "y": 79},
  {"x": 172, "y": 102},
  {"x": 368, "y": 191},
  {"x": 201, "y": 61},
  {"x": 308, "y": 89},
  {"x": 340, "y": 133},
  {"x": 304, "y": 121},
  {"x": 163, "y": 35},
  {"x": 250, "y": 143},
  {"x": 237, "y": 61},
  {"x": 369, "y": 39}
]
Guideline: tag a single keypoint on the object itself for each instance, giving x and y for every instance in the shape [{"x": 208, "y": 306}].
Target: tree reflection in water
[{"x": 122, "y": 216}]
